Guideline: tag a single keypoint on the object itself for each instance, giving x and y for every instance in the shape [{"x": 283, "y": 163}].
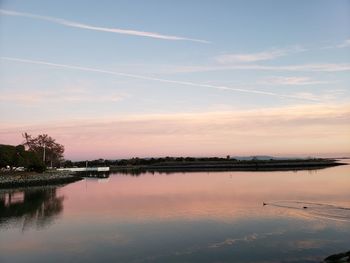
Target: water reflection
[
  {"x": 159, "y": 170},
  {"x": 223, "y": 196},
  {"x": 92, "y": 174},
  {"x": 185, "y": 217},
  {"x": 325, "y": 211},
  {"x": 30, "y": 207}
]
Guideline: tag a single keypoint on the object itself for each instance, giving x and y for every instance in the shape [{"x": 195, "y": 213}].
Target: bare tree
[{"x": 45, "y": 147}]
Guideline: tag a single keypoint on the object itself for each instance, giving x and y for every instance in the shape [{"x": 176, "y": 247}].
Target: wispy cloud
[
  {"x": 60, "y": 96},
  {"x": 252, "y": 57},
  {"x": 328, "y": 96},
  {"x": 185, "y": 83},
  {"x": 319, "y": 67},
  {"x": 292, "y": 81},
  {"x": 211, "y": 67},
  {"x": 99, "y": 28},
  {"x": 345, "y": 43},
  {"x": 322, "y": 67},
  {"x": 259, "y": 56}
]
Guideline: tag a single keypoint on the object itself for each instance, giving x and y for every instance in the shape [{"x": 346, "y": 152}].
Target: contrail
[
  {"x": 98, "y": 28},
  {"x": 185, "y": 83}
]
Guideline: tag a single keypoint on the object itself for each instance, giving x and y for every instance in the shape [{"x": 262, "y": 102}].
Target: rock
[{"x": 338, "y": 258}]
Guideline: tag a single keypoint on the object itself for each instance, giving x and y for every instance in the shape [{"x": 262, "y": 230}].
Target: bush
[
  {"x": 17, "y": 156},
  {"x": 34, "y": 164}
]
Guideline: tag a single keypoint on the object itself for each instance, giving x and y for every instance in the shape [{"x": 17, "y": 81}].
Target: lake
[{"x": 180, "y": 217}]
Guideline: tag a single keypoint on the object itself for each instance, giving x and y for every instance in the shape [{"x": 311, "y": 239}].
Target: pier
[{"x": 85, "y": 169}]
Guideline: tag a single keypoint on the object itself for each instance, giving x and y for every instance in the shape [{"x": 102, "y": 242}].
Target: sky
[{"x": 120, "y": 79}]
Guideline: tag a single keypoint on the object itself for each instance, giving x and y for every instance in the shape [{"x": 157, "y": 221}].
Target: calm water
[{"x": 181, "y": 217}]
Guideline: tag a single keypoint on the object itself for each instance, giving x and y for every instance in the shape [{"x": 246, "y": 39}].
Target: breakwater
[{"x": 24, "y": 179}]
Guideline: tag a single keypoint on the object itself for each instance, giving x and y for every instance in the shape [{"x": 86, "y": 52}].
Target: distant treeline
[
  {"x": 17, "y": 156},
  {"x": 168, "y": 161},
  {"x": 144, "y": 161}
]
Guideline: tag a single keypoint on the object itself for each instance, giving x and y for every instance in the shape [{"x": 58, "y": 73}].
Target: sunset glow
[{"x": 107, "y": 86}]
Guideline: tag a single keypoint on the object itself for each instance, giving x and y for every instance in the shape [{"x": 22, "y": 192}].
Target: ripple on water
[{"x": 319, "y": 210}]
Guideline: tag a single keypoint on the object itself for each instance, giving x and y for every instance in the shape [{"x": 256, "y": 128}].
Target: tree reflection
[{"x": 30, "y": 207}]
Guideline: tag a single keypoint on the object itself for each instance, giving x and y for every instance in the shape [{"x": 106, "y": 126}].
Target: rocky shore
[{"x": 24, "y": 179}]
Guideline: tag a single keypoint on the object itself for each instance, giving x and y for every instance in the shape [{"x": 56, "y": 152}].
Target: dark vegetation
[
  {"x": 35, "y": 154},
  {"x": 145, "y": 161},
  {"x": 45, "y": 148},
  {"x": 17, "y": 156},
  {"x": 168, "y": 164}
]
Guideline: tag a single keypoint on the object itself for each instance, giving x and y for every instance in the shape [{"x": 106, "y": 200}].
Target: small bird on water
[
  {"x": 305, "y": 207},
  {"x": 264, "y": 204}
]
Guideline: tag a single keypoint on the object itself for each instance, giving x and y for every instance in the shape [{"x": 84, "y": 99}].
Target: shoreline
[
  {"x": 28, "y": 179},
  {"x": 269, "y": 165}
]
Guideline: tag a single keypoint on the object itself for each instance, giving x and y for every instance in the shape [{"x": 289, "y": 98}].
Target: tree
[
  {"x": 17, "y": 156},
  {"x": 45, "y": 147}
]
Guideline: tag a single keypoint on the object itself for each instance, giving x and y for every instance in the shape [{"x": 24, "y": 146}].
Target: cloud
[
  {"x": 73, "y": 95},
  {"x": 319, "y": 67},
  {"x": 324, "y": 67},
  {"x": 312, "y": 96},
  {"x": 345, "y": 43},
  {"x": 292, "y": 81},
  {"x": 252, "y": 57},
  {"x": 304, "y": 129},
  {"x": 260, "y": 56},
  {"x": 185, "y": 83},
  {"x": 98, "y": 28}
]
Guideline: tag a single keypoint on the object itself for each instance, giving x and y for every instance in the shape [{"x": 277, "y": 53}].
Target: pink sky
[{"x": 315, "y": 130}]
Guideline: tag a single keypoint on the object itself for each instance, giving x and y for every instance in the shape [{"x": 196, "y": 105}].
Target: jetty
[
  {"x": 85, "y": 169},
  {"x": 229, "y": 165}
]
